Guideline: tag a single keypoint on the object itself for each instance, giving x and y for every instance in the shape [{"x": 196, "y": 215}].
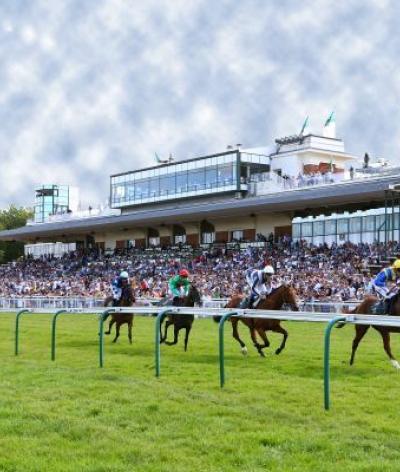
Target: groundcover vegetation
[{"x": 69, "y": 415}]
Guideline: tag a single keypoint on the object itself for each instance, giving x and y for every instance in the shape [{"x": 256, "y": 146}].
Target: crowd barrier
[{"x": 330, "y": 319}]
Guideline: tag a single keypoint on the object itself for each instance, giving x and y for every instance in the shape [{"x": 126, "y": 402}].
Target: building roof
[{"x": 288, "y": 200}]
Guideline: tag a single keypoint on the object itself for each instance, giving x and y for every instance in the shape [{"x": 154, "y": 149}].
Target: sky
[{"x": 95, "y": 87}]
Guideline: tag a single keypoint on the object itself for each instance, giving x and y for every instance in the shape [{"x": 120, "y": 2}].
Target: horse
[
  {"x": 366, "y": 307},
  {"x": 279, "y": 297},
  {"x": 181, "y": 321},
  {"x": 127, "y": 299}
]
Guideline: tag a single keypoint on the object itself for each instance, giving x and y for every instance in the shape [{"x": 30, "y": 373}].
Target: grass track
[{"x": 69, "y": 415}]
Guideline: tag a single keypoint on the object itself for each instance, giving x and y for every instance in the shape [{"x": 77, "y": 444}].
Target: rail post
[
  {"x": 17, "y": 329},
  {"x": 225, "y": 317},
  {"x": 160, "y": 316},
  {"x": 102, "y": 319},
  {"x": 53, "y": 333},
  {"x": 327, "y": 346}
]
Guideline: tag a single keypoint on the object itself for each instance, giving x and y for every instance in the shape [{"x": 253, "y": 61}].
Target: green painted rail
[
  {"x": 160, "y": 317},
  {"x": 102, "y": 319},
  {"x": 224, "y": 318},
  {"x": 53, "y": 333},
  {"x": 17, "y": 317},
  {"x": 327, "y": 348}
]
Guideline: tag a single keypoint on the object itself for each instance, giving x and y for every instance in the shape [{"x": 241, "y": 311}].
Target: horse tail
[{"x": 346, "y": 311}]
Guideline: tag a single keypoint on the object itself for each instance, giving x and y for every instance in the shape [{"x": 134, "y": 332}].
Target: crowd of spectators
[{"x": 318, "y": 273}]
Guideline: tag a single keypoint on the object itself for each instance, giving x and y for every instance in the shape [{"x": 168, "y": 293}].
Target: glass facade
[
  {"x": 51, "y": 200},
  {"x": 356, "y": 229},
  {"x": 191, "y": 178},
  {"x": 201, "y": 176}
]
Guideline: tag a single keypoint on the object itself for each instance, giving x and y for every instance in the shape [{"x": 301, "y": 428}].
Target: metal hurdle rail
[{"x": 331, "y": 319}]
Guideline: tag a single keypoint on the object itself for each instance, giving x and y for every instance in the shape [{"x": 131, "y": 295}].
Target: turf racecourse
[{"x": 69, "y": 415}]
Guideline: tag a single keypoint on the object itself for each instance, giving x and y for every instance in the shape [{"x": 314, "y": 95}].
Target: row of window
[
  {"x": 174, "y": 184},
  {"x": 206, "y": 238},
  {"x": 173, "y": 169},
  {"x": 362, "y": 224}
]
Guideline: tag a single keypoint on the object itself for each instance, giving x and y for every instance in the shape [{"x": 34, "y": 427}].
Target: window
[
  {"x": 196, "y": 179},
  {"x": 180, "y": 238},
  {"x": 318, "y": 229},
  {"x": 355, "y": 225},
  {"x": 155, "y": 241},
  {"x": 306, "y": 229},
  {"x": 380, "y": 222},
  {"x": 330, "y": 227},
  {"x": 225, "y": 174},
  {"x": 368, "y": 223},
  {"x": 237, "y": 235},
  {"x": 181, "y": 182},
  {"x": 296, "y": 230},
  {"x": 343, "y": 225},
  {"x": 211, "y": 177},
  {"x": 207, "y": 238}
]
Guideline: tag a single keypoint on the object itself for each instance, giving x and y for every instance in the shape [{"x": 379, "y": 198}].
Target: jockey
[
  {"x": 179, "y": 284},
  {"x": 118, "y": 284},
  {"x": 260, "y": 284},
  {"x": 380, "y": 283}
]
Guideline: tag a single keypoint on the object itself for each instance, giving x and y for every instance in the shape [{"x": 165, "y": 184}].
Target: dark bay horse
[
  {"x": 181, "y": 321},
  {"x": 366, "y": 308},
  {"x": 284, "y": 295},
  {"x": 127, "y": 299}
]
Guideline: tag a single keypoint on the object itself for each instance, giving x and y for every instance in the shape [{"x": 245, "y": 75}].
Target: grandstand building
[{"x": 236, "y": 196}]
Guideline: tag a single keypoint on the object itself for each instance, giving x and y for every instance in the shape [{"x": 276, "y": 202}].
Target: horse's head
[
  {"x": 289, "y": 297},
  {"x": 194, "y": 296}
]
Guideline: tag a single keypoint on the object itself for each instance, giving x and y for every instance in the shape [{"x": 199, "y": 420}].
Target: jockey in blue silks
[
  {"x": 260, "y": 282},
  {"x": 118, "y": 284},
  {"x": 385, "y": 276}
]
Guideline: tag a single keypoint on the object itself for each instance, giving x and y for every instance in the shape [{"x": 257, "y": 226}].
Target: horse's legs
[
  {"x": 386, "y": 345},
  {"x": 167, "y": 324},
  {"x": 176, "y": 332},
  {"x": 188, "y": 328},
  {"x": 110, "y": 325},
  {"x": 130, "y": 323},
  {"x": 360, "y": 333},
  {"x": 117, "y": 327},
  {"x": 263, "y": 336},
  {"x": 255, "y": 342},
  {"x": 235, "y": 334},
  {"x": 279, "y": 329}
]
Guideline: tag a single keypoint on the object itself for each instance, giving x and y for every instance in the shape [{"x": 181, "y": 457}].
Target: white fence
[{"x": 91, "y": 302}]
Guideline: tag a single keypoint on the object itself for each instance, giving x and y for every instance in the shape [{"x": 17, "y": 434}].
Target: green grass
[{"x": 69, "y": 415}]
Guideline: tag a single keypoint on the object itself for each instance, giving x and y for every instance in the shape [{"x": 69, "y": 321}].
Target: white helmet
[
  {"x": 269, "y": 270},
  {"x": 124, "y": 275}
]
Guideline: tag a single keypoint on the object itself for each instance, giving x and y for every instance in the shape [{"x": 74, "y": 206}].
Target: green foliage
[
  {"x": 69, "y": 415},
  {"x": 10, "y": 219}
]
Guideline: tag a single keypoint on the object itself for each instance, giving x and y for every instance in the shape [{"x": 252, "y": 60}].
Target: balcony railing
[{"x": 267, "y": 183}]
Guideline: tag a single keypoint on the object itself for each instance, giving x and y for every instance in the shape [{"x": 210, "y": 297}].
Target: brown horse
[
  {"x": 279, "y": 297},
  {"x": 181, "y": 321},
  {"x": 127, "y": 299},
  {"x": 366, "y": 308}
]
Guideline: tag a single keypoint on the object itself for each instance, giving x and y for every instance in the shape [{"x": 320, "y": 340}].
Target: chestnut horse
[
  {"x": 279, "y": 297},
  {"x": 366, "y": 308},
  {"x": 181, "y": 321},
  {"x": 127, "y": 299}
]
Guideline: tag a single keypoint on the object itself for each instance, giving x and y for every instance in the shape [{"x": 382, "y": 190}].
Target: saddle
[
  {"x": 379, "y": 308},
  {"x": 384, "y": 307}
]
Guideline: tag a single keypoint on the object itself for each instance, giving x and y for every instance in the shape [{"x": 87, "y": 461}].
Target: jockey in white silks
[{"x": 260, "y": 282}]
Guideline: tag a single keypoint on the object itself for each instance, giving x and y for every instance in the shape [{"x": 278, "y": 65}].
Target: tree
[{"x": 12, "y": 218}]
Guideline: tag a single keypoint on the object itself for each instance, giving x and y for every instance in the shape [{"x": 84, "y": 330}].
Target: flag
[
  {"x": 330, "y": 120},
  {"x": 330, "y": 126},
  {"x": 305, "y": 128}
]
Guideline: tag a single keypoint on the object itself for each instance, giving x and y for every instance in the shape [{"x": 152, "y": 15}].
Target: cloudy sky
[{"x": 95, "y": 87}]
